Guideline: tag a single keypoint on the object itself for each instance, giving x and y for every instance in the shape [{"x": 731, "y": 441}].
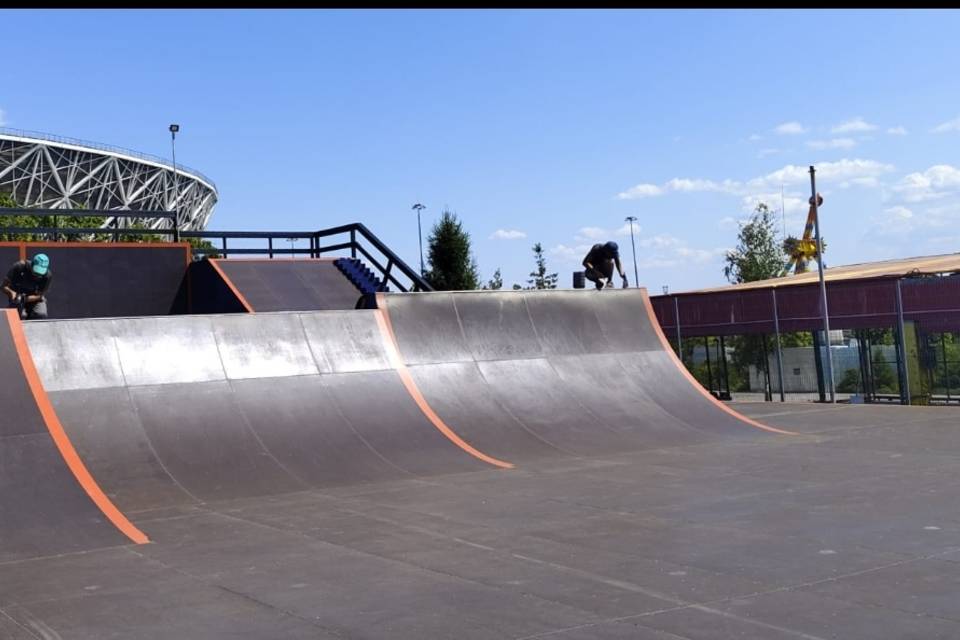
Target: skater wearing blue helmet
[
  {"x": 26, "y": 286},
  {"x": 599, "y": 263}
]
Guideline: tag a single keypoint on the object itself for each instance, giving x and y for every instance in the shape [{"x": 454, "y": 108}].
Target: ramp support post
[
  {"x": 776, "y": 330},
  {"x": 706, "y": 350},
  {"x": 676, "y": 314},
  {"x": 902, "y": 348},
  {"x": 722, "y": 357}
]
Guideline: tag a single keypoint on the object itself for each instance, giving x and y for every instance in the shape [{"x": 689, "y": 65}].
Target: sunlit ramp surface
[
  {"x": 289, "y": 285},
  {"x": 462, "y": 465}
]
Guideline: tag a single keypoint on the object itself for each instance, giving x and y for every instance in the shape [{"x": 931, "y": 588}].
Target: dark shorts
[
  {"x": 602, "y": 270},
  {"x": 35, "y": 311}
]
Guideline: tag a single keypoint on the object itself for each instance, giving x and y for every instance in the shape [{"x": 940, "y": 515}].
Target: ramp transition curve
[{"x": 179, "y": 410}]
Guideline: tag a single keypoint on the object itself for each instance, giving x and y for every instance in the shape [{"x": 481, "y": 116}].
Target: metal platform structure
[{"x": 54, "y": 172}]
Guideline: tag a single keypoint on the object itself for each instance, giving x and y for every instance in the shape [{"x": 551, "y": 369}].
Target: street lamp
[
  {"x": 418, "y": 208},
  {"x": 636, "y": 275},
  {"x": 815, "y": 201},
  {"x": 174, "y": 128}
]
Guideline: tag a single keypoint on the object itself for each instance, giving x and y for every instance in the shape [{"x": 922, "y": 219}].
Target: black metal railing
[{"x": 355, "y": 238}]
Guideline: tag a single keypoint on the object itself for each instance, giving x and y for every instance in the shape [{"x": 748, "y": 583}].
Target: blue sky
[{"x": 533, "y": 126}]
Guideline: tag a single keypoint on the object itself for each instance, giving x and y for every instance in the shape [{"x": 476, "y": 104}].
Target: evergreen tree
[
  {"x": 540, "y": 279},
  {"x": 451, "y": 265}
]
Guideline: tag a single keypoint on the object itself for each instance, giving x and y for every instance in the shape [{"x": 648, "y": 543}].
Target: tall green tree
[
  {"x": 451, "y": 265},
  {"x": 540, "y": 279},
  {"x": 758, "y": 255}
]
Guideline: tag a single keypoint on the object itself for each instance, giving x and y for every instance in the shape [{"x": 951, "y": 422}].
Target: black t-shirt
[
  {"x": 599, "y": 253},
  {"x": 23, "y": 280}
]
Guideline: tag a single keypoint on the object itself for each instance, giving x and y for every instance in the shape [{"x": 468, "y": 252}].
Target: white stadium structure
[{"x": 52, "y": 172}]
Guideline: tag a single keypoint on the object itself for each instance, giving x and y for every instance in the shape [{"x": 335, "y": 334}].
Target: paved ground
[
  {"x": 338, "y": 475},
  {"x": 847, "y": 531}
]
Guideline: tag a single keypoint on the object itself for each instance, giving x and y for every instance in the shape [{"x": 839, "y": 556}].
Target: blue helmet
[{"x": 40, "y": 264}]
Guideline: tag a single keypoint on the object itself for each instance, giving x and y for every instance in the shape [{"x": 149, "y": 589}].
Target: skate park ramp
[
  {"x": 467, "y": 465},
  {"x": 288, "y": 285},
  {"x": 48, "y": 505},
  {"x": 171, "y": 411}
]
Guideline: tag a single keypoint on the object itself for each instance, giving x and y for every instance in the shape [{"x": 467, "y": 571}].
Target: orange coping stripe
[
  {"x": 61, "y": 439},
  {"x": 693, "y": 381},
  {"x": 233, "y": 288},
  {"x": 393, "y": 352}
]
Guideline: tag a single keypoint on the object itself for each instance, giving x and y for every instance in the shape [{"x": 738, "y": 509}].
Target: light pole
[
  {"x": 636, "y": 276},
  {"x": 418, "y": 208},
  {"x": 823, "y": 286},
  {"x": 174, "y": 128},
  {"x": 293, "y": 256}
]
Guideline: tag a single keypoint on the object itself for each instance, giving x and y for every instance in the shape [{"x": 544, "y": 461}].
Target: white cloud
[
  {"x": 640, "y": 191},
  {"x": 844, "y": 173},
  {"x": 899, "y": 213},
  {"x": 833, "y": 143},
  {"x": 755, "y": 138},
  {"x": 568, "y": 254},
  {"x": 793, "y": 204},
  {"x": 658, "y": 251},
  {"x": 839, "y": 171},
  {"x": 897, "y": 131},
  {"x": 893, "y": 221},
  {"x": 763, "y": 153},
  {"x": 507, "y": 234},
  {"x": 868, "y": 182},
  {"x": 936, "y": 182},
  {"x": 659, "y": 241},
  {"x": 678, "y": 184},
  {"x": 699, "y": 256},
  {"x": 687, "y": 184},
  {"x": 946, "y": 127},
  {"x": 857, "y": 125},
  {"x": 624, "y": 229},
  {"x": 591, "y": 234},
  {"x": 729, "y": 222},
  {"x": 790, "y": 128}
]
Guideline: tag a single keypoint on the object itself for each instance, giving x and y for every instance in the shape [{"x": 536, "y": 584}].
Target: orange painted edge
[
  {"x": 61, "y": 439},
  {"x": 689, "y": 376},
  {"x": 229, "y": 283},
  {"x": 393, "y": 352}
]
